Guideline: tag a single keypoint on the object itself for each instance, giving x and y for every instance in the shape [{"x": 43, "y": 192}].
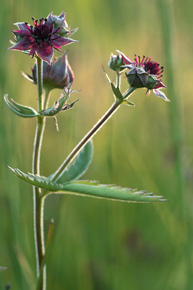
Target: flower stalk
[
  {"x": 37, "y": 198},
  {"x": 89, "y": 135}
]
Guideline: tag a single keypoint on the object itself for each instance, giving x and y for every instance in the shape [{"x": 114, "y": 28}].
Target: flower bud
[
  {"x": 58, "y": 75},
  {"x": 116, "y": 62}
]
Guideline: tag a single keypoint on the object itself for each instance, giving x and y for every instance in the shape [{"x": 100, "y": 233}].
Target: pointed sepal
[{"x": 128, "y": 103}]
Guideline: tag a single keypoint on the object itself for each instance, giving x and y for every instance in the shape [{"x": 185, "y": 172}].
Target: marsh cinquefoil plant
[{"x": 39, "y": 40}]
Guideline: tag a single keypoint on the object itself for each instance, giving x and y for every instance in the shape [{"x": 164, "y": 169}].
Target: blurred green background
[{"x": 96, "y": 244}]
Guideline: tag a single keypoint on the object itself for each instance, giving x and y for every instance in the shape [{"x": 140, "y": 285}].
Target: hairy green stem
[
  {"x": 89, "y": 135},
  {"x": 38, "y": 200},
  {"x": 118, "y": 79}
]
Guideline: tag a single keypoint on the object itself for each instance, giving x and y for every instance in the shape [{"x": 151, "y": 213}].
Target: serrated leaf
[
  {"x": 20, "y": 110},
  {"x": 80, "y": 165},
  {"x": 109, "y": 192},
  {"x": 38, "y": 181},
  {"x": 89, "y": 188}
]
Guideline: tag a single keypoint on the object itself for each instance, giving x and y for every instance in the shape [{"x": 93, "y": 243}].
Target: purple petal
[
  {"x": 60, "y": 41},
  {"x": 160, "y": 94},
  {"x": 22, "y": 32},
  {"x": 22, "y": 26},
  {"x": 23, "y": 44},
  {"x": 45, "y": 52},
  {"x": 33, "y": 50},
  {"x": 126, "y": 60}
]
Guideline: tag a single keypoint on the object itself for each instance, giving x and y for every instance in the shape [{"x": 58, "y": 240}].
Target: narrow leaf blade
[{"x": 110, "y": 192}]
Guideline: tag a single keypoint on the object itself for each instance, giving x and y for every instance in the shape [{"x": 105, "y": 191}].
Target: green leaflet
[
  {"x": 89, "y": 188},
  {"x": 22, "y": 111},
  {"x": 55, "y": 109},
  {"x": 109, "y": 192},
  {"x": 116, "y": 92},
  {"x": 38, "y": 181},
  {"x": 76, "y": 169}
]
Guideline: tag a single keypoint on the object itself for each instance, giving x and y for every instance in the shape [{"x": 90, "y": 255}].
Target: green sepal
[
  {"x": 89, "y": 188},
  {"x": 20, "y": 110},
  {"x": 116, "y": 92},
  {"x": 55, "y": 109},
  {"x": 128, "y": 103},
  {"x": 80, "y": 165}
]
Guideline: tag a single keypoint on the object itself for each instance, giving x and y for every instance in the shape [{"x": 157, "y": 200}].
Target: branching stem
[{"x": 89, "y": 135}]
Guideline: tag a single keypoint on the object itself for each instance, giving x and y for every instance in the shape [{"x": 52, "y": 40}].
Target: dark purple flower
[
  {"x": 144, "y": 73},
  {"x": 42, "y": 38},
  {"x": 56, "y": 75}
]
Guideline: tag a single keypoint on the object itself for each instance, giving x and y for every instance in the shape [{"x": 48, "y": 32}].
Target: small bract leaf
[
  {"x": 20, "y": 110},
  {"x": 128, "y": 103},
  {"x": 80, "y": 165},
  {"x": 116, "y": 92}
]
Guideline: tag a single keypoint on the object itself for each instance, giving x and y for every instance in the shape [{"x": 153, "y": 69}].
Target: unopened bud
[
  {"x": 116, "y": 62},
  {"x": 58, "y": 75}
]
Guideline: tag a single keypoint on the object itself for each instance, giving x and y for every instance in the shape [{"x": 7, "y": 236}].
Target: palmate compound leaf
[{"x": 88, "y": 188}]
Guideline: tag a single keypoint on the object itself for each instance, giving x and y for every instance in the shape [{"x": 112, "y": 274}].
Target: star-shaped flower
[{"x": 43, "y": 37}]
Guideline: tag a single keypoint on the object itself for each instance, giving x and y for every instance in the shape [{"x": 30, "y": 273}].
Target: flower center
[
  {"x": 153, "y": 67},
  {"x": 149, "y": 66},
  {"x": 42, "y": 31}
]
